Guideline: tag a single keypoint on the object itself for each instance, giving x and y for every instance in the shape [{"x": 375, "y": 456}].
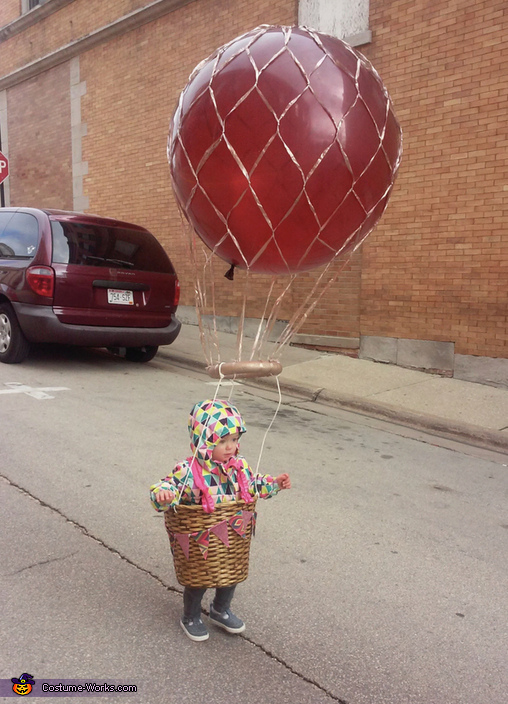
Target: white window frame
[
  {"x": 344, "y": 19},
  {"x": 25, "y": 5}
]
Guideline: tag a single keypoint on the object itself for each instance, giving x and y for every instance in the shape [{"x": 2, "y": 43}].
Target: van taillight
[
  {"x": 41, "y": 280},
  {"x": 177, "y": 292}
]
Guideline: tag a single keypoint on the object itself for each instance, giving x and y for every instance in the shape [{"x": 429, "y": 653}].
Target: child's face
[{"x": 226, "y": 448}]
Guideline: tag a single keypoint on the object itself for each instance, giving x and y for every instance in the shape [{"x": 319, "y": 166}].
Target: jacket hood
[{"x": 209, "y": 421}]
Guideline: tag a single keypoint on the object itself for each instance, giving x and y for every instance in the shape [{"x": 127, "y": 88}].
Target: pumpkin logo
[{"x": 22, "y": 685}]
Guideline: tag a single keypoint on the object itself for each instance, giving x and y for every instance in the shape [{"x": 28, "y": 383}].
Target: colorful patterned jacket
[
  {"x": 200, "y": 480},
  {"x": 221, "y": 482}
]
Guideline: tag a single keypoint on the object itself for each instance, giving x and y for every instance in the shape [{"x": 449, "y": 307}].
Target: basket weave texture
[{"x": 224, "y": 566}]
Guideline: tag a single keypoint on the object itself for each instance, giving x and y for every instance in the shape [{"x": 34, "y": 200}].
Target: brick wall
[
  {"x": 72, "y": 21},
  {"x": 337, "y": 311},
  {"x": 9, "y": 11},
  {"x": 40, "y": 166},
  {"x": 436, "y": 267}
]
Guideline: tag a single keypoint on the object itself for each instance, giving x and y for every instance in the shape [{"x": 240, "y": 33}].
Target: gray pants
[{"x": 192, "y": 597}]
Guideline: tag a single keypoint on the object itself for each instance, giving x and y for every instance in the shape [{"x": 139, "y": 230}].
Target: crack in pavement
[
  {"x": 42, "y": 562},
  {"x": 170, "y": 588}
]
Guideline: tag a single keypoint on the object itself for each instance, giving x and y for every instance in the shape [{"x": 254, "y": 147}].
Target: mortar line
[{"x": 175, "y": 590}]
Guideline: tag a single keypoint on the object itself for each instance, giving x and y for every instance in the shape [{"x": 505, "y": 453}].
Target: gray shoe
[
  {"x": 194, "y": 628},
  {"x": 227, "y": 620}
]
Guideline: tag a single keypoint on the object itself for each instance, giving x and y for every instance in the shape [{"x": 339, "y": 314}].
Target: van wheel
[
  {"x": 141, "y": 354},
  {"x": 14, "y": 347}
]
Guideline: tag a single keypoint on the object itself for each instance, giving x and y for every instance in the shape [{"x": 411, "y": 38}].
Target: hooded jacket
[{"x": 200, "y": 480}]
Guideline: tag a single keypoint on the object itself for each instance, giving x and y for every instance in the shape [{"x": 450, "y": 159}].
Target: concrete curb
[
  {"x": 460, "y": 431},
  {"x": 453, "y": 430}
]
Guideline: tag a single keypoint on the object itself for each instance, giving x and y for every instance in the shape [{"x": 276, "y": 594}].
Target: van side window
[{"x": 19, "y": 236}]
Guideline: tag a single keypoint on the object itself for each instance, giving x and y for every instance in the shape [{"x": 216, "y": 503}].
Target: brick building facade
[{"x": 87, "y": 88}]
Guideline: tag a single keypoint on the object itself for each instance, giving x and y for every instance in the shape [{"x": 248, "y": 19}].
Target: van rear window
[{"x": 93, "y": 245}]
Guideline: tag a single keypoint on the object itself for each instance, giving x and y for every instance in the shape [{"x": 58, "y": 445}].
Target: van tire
[
  {"x": 14, "y": 347},
  {"x": 141, "y": 354}
]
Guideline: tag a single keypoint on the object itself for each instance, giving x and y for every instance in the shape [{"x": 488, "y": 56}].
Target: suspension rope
[{"x": 266, "y": 433}]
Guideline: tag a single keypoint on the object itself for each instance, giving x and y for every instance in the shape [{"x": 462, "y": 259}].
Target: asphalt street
[{"x": 379, "y": 578}]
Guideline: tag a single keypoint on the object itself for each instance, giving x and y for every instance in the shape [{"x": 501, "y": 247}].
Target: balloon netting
[{"x": 283, "y": 150}]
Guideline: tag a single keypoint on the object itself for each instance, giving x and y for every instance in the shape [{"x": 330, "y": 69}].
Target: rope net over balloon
[{"x": 283, "y": 151}]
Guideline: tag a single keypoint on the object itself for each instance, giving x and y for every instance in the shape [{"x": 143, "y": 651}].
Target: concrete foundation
[
  {"x": 223, "y": 323},
  {"x": 329, "y": 341},
  {"x": 416, "y": 354},
  {"x": 485, "y": 370},
  {"x": 431, "y": 355}
]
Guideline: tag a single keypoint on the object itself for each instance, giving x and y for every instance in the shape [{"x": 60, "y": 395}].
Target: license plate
[{"x": 123, "y": 298}]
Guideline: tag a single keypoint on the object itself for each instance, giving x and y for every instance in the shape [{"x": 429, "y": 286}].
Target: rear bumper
[{"x": 40, "y": 324}]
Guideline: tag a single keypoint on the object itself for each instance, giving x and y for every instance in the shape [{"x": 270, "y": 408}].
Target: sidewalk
[{"x": 468, "y": 411}]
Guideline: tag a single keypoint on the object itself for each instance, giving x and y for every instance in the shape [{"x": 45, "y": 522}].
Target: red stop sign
[{"x": 4, "y": 167}]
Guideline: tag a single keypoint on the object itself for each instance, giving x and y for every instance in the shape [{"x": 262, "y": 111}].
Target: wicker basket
[{"x": 223, "y": 566}]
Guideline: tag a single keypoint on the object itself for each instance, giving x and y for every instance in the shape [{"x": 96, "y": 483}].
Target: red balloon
[{"x": 283, "y": 149}]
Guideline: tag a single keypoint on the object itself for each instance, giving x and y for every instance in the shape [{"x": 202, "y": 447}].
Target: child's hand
[
  {"x": 164, "y": 496},
  {"x": 283, "y": 481}
]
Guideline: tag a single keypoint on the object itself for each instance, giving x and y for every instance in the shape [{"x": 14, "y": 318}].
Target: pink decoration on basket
[
  {"x": 183, "y": 542},
  {"x": 247, "y": 517},
  {"x": 237, "y": 524},
  {"x": 221, "y": 531},
  {"x": 202, "y": 538}
]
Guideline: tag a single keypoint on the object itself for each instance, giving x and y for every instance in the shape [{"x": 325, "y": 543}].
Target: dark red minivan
[{"x": 84, "y": 280}]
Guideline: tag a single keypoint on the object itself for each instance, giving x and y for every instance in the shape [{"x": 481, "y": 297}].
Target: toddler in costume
[{"x": 214, "y": 473}]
